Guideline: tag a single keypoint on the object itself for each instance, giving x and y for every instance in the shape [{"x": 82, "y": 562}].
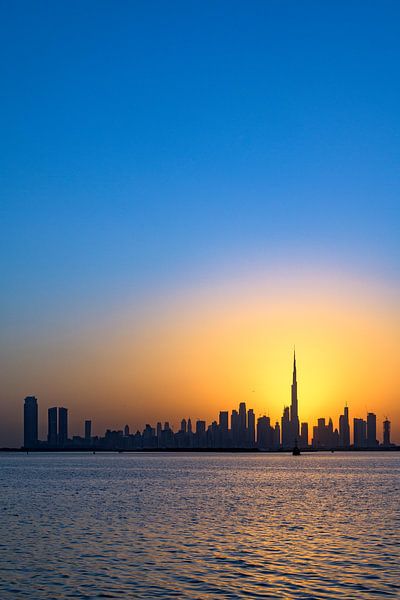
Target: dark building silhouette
[
  {"x": 242, "y": 434},
  {"x": 324, "y": 436},
  {"x": 277, "y": 436},
  {"x": 251, "y": 428},
  {"x": 224, "y": 429},
  {"x": 88, "y": 430},
  {"x": 303, "y": 442},
  {"x": 52, "y": 436},
  {"x": 359, "y": 433},
  {"x": 235, "y": 428},
  {"x": 62, "y": 426},
  {"x": 294, "y": 409},
  {"x": 201, "y": 440},
  {"x": 286, "y": 429},
  {"x": 386, "y": 433},
  {"x": 344, "y": 429},
  {"x": 30, "y": 422},
  {"x": 372, "y": 442},
  {"x": 290, "y": 418},
  {"x": 265, "y": 434}
]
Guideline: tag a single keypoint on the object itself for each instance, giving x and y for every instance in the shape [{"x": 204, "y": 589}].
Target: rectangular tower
[
  {"x": 52, "y": 427},
  {"x": 30, "y": 422},
  {"x": 62, "y": 426}
]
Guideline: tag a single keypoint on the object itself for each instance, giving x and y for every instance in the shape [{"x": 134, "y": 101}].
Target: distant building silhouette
[
  {"x": 386, "y": 433},
  {"x": 52, "y": 429},
  {"x": 294, "y": 410},
  {"x": 251, "y": 429},
  {"x": 344, "y": 429},
  {"x": 303, "y": 442},
  {"x": 286, "y": 428},
  {"x": 371, "y": 431},
  {"x": 265, "y": 434},
  {"x": 290, "y": 419},
  {"x": 88, "y": 430},
  {"x": 359, "y": 433},
  {"x": 30, "y": 422},
  {"x": 62, "y": 426},
  {"x": 324, "y": 436}
]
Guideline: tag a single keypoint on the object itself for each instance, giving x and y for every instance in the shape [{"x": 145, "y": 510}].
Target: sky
[{"x": 187, "y": 191}]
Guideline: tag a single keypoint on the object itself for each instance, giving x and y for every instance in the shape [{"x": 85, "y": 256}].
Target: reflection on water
[{"x": 200, "y": 526}]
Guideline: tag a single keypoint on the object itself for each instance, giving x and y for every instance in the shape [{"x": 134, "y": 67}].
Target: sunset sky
[{"x": 187, "y": 191}]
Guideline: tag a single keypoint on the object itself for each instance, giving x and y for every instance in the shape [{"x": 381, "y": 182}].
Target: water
[{"x": 200, "y": 526}]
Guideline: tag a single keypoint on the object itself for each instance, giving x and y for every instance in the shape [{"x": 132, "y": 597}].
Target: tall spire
[{"x": 294, "y": 366}]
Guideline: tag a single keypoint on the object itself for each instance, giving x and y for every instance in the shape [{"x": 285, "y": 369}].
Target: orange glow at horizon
[{"x": 208, "y": 349}]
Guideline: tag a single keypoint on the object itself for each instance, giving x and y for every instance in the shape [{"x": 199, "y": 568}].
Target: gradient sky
[{"x": 187, "y": 190}]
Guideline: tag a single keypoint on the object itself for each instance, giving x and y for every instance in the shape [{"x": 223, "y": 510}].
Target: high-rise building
[
  {"x": 344, "y": 429},
  {"x": 88, "y": 430},
  {"x": 324, "y": 436},
  {"x": 290, "y": 419},
  {"x": 223, "y": 420},
  {"x": 201, "y": 438},
  {"x": 294, "y": 410},
  {"x": 126, "y": 430},
  {"x": 371, "y": 431},
  {"x": 304, "y": 435},
  {"x": 277, "y": 436},
  {"x": 242, "y": 424},
  {"x": 286, "y": 429},
  {"x": 183, "y": 426},
  {"x": 62, "y": 426},
  {"x": 223, "y": 426},
  {"x": 52, "y": 427},
  {"x": 235, "y": 428},
  {"x": 30, "y": 422},
  {"x": 251, "y": 428},
  {"x": 386, "y": 433},
  {"x": 265, "y": 434},
  {"x": 359, "y": 433}
]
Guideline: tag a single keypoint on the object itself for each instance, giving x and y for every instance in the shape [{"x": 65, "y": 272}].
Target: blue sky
[{"x": 145, "y": 144}]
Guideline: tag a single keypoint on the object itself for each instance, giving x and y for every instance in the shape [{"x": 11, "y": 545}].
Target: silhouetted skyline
[{"x": 243, "y": 434}]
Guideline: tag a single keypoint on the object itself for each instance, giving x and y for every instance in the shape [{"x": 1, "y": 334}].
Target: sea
[{"x": 200, "y": 526}]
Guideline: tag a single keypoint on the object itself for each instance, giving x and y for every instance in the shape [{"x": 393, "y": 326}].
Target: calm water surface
[{"x": 199, "y": 526}]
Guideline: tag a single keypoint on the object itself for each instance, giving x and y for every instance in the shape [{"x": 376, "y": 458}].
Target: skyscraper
[
  {"x": 62, "y": 426},
  {"x": 294, "y": 413},
  {"x": 30, "y": 422},
  {"x": 344, "y": 429},
  {"x": 386, "y": 432},
  {"x": 371, "y": 430},
  {"x": 265, "y": 434},
  {"x": 52, "y": 426},
  {"x": 235, "y": 428},
  {"x": 251, "y": 428},
  {"x": 88, "y": 430},
  {"x": 290, "y": 419},
  {"x": 286, "y": 429},
  {"x": 242, "y": 424},
  {"x": 359, "y": 433},
  {"x": 304, "y": 435},
  {"x": 223, "y": 425}
]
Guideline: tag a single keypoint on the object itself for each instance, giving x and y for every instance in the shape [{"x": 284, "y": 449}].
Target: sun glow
[{"x": 204, "y": 350}]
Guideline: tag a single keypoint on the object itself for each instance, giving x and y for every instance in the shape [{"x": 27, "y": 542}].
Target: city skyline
[
  {"x": 242, "y": 431},
  {"x": 176, "y": 213}
]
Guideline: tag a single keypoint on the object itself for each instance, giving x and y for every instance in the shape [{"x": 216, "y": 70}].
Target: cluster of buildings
[{"x": 241, "y": 431}]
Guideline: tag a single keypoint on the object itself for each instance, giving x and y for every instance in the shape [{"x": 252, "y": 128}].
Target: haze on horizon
[{"x": 187, "y": 191}]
